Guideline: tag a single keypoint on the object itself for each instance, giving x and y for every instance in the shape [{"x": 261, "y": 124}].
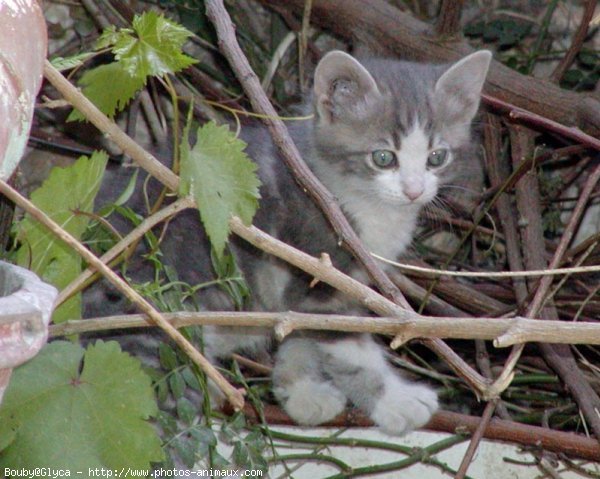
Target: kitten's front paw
[
  {"x": 309, "y": 402},
  {"x": 404, "y": 407}
]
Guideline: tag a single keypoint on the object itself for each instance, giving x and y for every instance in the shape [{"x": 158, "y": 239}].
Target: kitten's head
[{"x": 400, "y": 125}]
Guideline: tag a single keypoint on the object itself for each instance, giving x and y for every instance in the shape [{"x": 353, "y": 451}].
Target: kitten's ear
[
  {"x": 342, "y": 86},
  {"x": 458, "y": 90}
]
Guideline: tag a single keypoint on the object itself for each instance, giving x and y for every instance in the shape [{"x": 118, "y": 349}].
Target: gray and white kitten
[{"x": 385, "y": 138}]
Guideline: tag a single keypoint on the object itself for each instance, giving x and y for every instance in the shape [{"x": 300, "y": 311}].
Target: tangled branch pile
[{"x": 539, "y": 208}]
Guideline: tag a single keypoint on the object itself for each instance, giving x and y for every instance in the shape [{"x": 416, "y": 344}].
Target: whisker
[
  {"x": 446, "y": 205},
  {"x": 435, "y": 215},
  {"x": 459, "y": 187}
]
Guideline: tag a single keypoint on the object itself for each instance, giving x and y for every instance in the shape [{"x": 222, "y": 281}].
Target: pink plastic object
[
  {"x": 25, "y": 301},
  {"x": 23, "y": 44},
  {"x": 26, "y": 305}
]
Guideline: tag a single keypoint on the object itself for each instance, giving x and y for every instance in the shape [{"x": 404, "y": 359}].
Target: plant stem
[
  {"x": 419, "y": 455},
  {"x": 342, "y": 441},
  {"x": 312, "y": 457},
  {"x": 541, "y": 36}
]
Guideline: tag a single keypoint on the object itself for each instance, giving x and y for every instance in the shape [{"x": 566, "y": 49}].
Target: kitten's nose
[{"x": 413, "y": 191}]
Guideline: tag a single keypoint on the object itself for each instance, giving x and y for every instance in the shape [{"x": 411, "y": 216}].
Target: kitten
[{"x": 385, "y": 138}]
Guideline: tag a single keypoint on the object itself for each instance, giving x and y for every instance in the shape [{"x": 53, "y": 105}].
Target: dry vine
[{"x": 409, "y": 325}]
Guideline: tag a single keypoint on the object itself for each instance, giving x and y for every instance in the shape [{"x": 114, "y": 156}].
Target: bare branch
[
  {"x": 448, "y": 22},
  {"x": 577, "y": 42},
  {"x": 574, "y": 445},
  {"x": 110, "y": 128},
  {"x": 503, "y": 331},
  {"x": 538, "y": 122},
  {"x": 476, "y": 439}
]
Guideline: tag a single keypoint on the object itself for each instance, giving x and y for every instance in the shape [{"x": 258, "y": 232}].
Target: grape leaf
[
  {"x": 110, "y": 87},
  {"x": 222, "y": 179},
  {"x": 109, "y": 36},
  {"x": 78, "y": 418},
  {"x": 153, "y": 47},
  {"x": 65, "y": 191},
  {"x": 156, "y": 48}
]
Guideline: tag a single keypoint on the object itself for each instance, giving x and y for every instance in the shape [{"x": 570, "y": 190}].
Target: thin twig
[
  {"x": 476, "y": 439},
  {"x": 438, "y": 273},
  {"x": 448, "y": 21},
  {"x": 249, "y": 363},
  {"x": 539, "y": 40},
  {"x": 530, "y": 162},
  {"x": 94, "y": 12},
  {"x": 578, "y": 39},
  {"x": 417, "y": 293},
  {"x": 278, "y": 55},
  {"x": 538, "y": 122},
  {"x": 548, "y": 469},
  {"x": 303, "y": 43},
  {"x": 500, "y": 177}
]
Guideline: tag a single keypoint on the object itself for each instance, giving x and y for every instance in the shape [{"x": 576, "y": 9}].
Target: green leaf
[
  {"x": 204, "y": 435},
  {"x": 110, "y": 87},
  {"x": 573, "y": 76},
  {"x": 588, "y": 58},
  {"x": 186, "y": 451},
  {"x": 222, "y": 179},
  {"x": 177, "y": 384},
  {"x": 155, "y": 48},
  {"x": 129, "y": 190},
  {"x": 110, "y": 36},
  {"x": 232, "y": 279},
  {"x": 167, "y": 357},
  {"x": 218, "y": 461},
  {"x": 248, "y": 452},
  {"x": 186, "y": 411},
  {"x": 152, "y": 48},
  {"x": 232, "y": 428},
  {"x": 167, "y": 423},
  {"x": 62, "y": 63},
  {"x": 8, "y": 432},
  {"x": 76, "y": 418},
  {"x": 474, "y": 29},
  {"x": 506, "y": 31},
  {"x": 190, "y": 379},
  {"x": 65, "y": 192}
]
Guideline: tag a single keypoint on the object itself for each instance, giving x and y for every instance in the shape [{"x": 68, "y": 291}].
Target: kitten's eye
[
  {"x": 437, "y": 158},
  {"x": 384, "y": 158}
]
